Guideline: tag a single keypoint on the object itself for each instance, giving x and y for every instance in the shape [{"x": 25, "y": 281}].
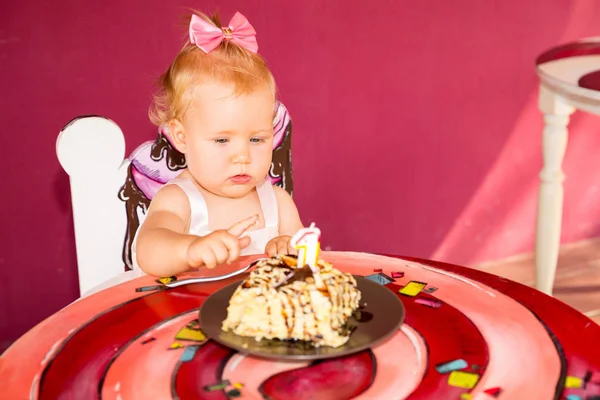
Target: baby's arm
[
  {"x": 162, "y": 243},
  {"x": 163, "y": 247},
  {"x": 289, "y": 224}
]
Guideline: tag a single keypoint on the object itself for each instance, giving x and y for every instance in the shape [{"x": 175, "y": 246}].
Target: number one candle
[{"x": 307, "y": 241}]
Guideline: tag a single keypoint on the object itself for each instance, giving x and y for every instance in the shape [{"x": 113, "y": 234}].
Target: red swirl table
[{"x": 467, "y": 335}]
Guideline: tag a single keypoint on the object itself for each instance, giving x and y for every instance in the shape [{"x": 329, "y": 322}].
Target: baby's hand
[
  {"x": 280, "y": 245},
  {"x": 222, "y": 246}
]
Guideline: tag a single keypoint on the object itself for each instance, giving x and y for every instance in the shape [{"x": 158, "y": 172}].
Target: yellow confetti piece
[
  {"x": 176, "y": 345},
  {"x": 462, "y": 379},
  {"x": 167, "y": 279},
  {"x": 412, "y": 288},
  {"x": 188, "y": 333},
  {"x": 466, "y": 396},
  {"x": 238, "y": 385},
  {"x": 573, "y": 382}
]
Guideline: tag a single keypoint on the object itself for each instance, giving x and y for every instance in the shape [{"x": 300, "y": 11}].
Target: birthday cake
[{"x": 281, "y": 300}]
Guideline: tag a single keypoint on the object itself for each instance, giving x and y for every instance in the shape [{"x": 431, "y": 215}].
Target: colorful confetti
[
  {"x": 167, "y": 279},
  {"x": 451, "y": 366},
  {"x": 495, "y": 391},
  {"x": 397, "y": 275},
  {"x": 573, "y": 382},
  {"x": 574, "y": 397},
  {"x": 238, "y": 385},
  {"x": 412, "y": 288},
  {"x": 466, "y": 396},
  {"x": 430, "y": 289},
  {"x": 149, "y": 340},
  {"x": 234, "y": 393},
  {"x": 377, "y": 270},
  {"x": 189, "y": 353},
  {"x": 380, "y": 278},
  {"x": 149, "y": 288},
  {"x": 218, "y": 386},
  {"x": 465, "y": 380},
  {"x": 194, "y": 324},
  {"x": 429, "y": 303},
  {"x": 587, "y": 378},
  {"x": 191, "y": 332},
  {"x": 175, "y": 345}
]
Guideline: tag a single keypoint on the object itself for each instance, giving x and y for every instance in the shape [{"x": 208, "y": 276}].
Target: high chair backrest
[{"x": 110, "y": 193}]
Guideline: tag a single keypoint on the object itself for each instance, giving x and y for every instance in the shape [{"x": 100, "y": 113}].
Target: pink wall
[{"x": 415, "y": 123}]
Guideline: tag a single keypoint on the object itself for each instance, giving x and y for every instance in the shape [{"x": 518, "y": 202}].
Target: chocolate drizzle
[
  {"x": 280, "y": 300},
  {"x": 297, "y": 274}
]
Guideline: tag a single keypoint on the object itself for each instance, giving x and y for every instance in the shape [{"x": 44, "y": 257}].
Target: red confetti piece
[{"x": 493, "y": 391}]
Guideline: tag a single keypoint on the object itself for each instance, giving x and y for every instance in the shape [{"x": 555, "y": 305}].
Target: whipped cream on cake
[{"x": 280, "y": 300}]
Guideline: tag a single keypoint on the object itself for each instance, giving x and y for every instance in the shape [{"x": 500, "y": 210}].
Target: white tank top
[{"x": 199, "y": 217}]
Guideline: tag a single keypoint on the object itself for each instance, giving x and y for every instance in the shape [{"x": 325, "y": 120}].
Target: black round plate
[{"x": 381, "y": 316}]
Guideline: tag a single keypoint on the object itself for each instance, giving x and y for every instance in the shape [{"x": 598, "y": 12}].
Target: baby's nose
[{"x": 241, "y": 158}]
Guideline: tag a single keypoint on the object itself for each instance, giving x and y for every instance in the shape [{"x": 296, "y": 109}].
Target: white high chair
[
  {"x": 91, "y": 149},
  {"x": 569, "y": 80}
]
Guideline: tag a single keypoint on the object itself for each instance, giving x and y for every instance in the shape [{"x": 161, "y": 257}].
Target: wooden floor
[{"x": 577, "y": 278}]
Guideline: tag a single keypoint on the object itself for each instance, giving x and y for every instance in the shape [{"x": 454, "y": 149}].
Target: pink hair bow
[{"x": 208, "y": 37}]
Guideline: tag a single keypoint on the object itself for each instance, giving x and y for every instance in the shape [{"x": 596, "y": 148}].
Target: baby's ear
[{"x": 177, "y": 135}]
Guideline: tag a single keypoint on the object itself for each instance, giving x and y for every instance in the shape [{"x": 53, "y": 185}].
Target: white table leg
[{"x": 550, "y": 202}]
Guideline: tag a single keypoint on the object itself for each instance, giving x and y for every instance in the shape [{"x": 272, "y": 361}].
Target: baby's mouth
[{"x": 240, "y": 179}]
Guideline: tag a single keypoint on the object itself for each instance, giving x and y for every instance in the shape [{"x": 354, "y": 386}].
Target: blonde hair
[{"x": 228, "y": 63}]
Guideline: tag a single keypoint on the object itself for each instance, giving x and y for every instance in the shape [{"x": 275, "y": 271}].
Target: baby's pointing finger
[{"x": 239, "y": 228}]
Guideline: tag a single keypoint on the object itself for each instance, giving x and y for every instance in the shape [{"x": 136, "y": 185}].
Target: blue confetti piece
[
  {"x": 451, "y": 366},
  {"x": 149, "y": 288},
  {"x": 380, "y": 278},
  {"x": 189, "y": 353},
  {"x": 573, "y": 397}
]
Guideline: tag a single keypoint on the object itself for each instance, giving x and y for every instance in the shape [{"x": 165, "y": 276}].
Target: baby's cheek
[{"x": 262, "y": 159}]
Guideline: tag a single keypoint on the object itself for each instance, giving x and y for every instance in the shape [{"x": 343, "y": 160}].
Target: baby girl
[{"x": 218, "y": 100}]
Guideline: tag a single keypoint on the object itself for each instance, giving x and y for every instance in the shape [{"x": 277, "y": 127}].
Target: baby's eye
[
  {"x": 257, "y": 140},
  {"x": 221, "y": 140}
]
